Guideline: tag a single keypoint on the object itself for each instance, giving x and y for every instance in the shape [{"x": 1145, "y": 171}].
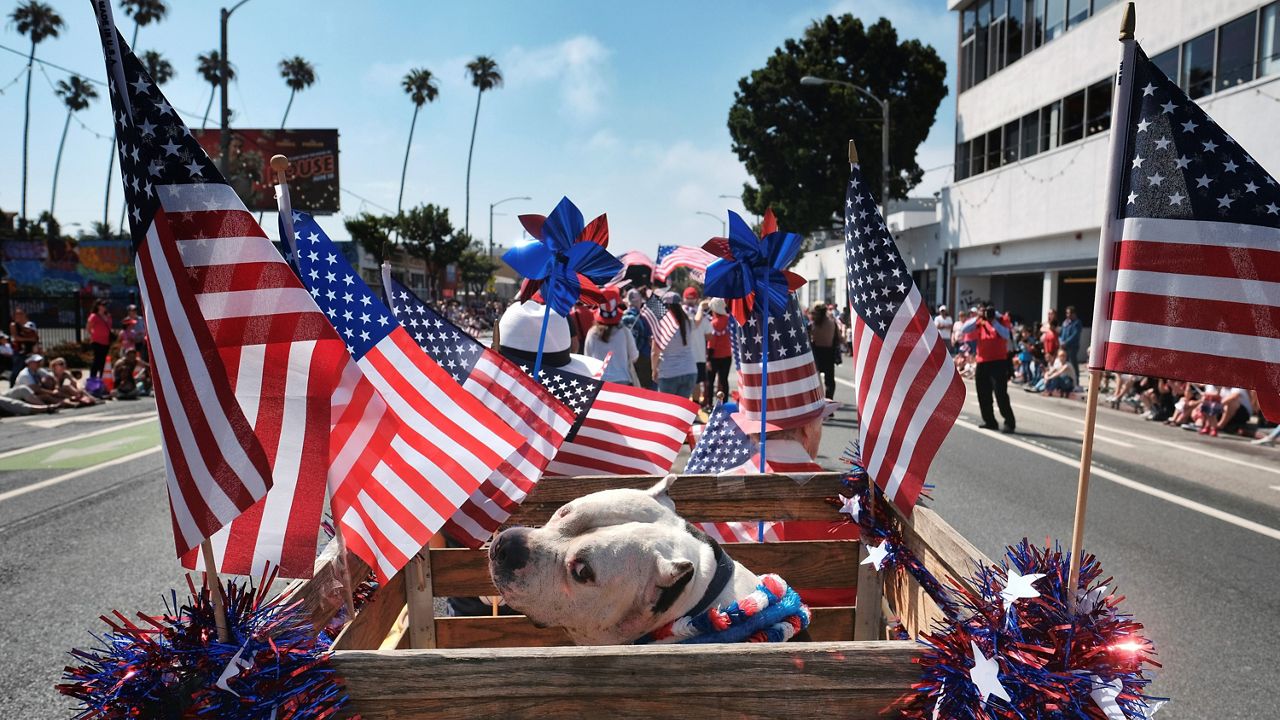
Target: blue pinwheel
[
  {"x": 565, "y": 261},
  {"x": 751, "y": 267}
]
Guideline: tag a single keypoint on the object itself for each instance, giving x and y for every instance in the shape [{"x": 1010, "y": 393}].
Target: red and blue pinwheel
[
  {"x": 751, "y": 268},
  {"x": 567, "y": 259}
]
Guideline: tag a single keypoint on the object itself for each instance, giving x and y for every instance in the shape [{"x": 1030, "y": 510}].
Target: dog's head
[{"x": 608, "y": 567}]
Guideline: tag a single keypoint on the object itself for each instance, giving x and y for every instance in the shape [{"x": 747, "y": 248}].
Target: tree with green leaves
[
  {"x": 209, "y": 67},
  {"x": 485, "y": 75},
  {"x": 793, "y": 139},
  {"x": 298, "y": 74},
  {"x": 420, "y": 85},
  {"x": 425, "y": 231},
  {"x": 39, "y": 22},
  {"x": 76, "y": 93},
  {"x": 374, "y": 234},
  {"x": 475, "y": 268}
]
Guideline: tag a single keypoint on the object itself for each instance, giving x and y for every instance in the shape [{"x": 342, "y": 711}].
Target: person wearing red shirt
[
  {"x": 719, "y": 352},
  {"x": 992, "y": 373},
  {"x": 1049, "y": 339},
  {"x": 99, "y": 331}
]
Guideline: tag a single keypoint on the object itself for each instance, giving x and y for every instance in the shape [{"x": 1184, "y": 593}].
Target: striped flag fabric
[
  {"x": 662, "y": 324},
  {"x": 410, "y": 444},
  {"x": 242, "y": 359},
  {"x": 671, "y": 257},
  {"x": 909, "y": 393},
  {"x": 1189, "y": 259},
  {"x": 723, "y": 447},
  {"x": 635, "y": 257},
  {"x": 795, "y": 389},
  {"x": 517, "y": 399}
]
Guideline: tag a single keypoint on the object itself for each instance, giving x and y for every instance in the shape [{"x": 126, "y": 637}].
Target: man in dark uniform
[{"x": 992, "y": 374}]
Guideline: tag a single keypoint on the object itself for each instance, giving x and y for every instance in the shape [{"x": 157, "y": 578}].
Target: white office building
[{"x": 1020, "y": 221}]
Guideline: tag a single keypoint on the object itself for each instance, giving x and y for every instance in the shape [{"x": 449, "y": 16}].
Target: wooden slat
[
  {"x": 375, "y": 619},
  {"x": 420, "y": 599},
  {"x": 321, "y": 594},
  {"x": 826, "y": 563},
  {"x": 831, "y": 624},
  {"x": 847, "y": 680},
  {"x": 701, "y": 498},
  {"x": 869, "y": 625}
]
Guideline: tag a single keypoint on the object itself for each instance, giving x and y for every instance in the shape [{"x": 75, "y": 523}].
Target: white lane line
[
  {"x": 1104, "y": 438},
  {"x": 16, "y": 492},
  {"x": 78, "y": 436},
  {"x": 1118, "y": 479},
  {"x": 1149, "y": 438},
  {"x": 67, "y": 419}
]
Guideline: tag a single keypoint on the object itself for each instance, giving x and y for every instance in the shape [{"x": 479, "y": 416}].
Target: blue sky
[{"x": 622, "y": 107}]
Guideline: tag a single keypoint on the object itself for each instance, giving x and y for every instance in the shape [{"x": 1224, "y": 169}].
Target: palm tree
[
  {"x": 485, "y": 75},
  {"x": 420, "y": 85},
  {"x": 143, "y": 12},
  {"x": 209, "y": 65},
  {"x": 39, "y": 22},
  {"x": 298, "y": 74},
  {"x": 160, "y": 70},
  {"x": 76, "y": 94}
]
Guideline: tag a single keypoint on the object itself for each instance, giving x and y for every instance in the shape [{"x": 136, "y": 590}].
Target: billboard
[{"x": 313, "y": 175}]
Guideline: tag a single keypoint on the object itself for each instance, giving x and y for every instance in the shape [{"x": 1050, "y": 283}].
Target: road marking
[
  {"x": 1104, "y": 438},
  {"x": 17, "y": 492},
  {"x": 95, "y": 433},
  {"x": 71, "y": 453},
  {"x": 1158, "y": 441},
  {"x": 50, "y": 423},
  {"x": 1118, "y": 479}
]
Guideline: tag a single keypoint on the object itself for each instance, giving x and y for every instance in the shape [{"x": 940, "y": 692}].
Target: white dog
[{"x": 613, "y": 566}]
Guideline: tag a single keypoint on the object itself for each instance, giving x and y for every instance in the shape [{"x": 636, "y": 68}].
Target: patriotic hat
[
  {"x": 795, "y": 395},
  {"x": 609, "y": 312},
  {"x": 518, "y": 331}
]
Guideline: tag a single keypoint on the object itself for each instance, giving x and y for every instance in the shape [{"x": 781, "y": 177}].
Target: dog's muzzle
[{"x": 509, "y": 551}]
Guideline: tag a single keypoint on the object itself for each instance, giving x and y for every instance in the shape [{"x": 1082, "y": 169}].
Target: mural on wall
[{"x": 60, "y": 267}]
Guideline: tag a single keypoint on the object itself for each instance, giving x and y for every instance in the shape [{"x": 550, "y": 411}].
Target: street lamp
[
  {"x": 224, "y": 139},
  {"x": 491, "y": 207},
  {"x": 744, "y": 204},
  {"x": 884, "y": 131},
  {"x": 724, "y": 228}
]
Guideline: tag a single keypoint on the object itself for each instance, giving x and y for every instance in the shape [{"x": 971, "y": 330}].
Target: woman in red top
[
  {"x": 99, "y": 332},
  {"x": 1049, "y": 339},
  {"x": 719, "y": 351}
]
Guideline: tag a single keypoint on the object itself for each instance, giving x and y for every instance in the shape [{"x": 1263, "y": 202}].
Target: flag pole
[
  {"x": 214, "y": 583},
  {"x": 284, "y": 204},
  {"x": 1106, "y": 244}
]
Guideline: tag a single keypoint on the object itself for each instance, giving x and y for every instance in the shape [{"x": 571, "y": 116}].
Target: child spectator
[
  {"x": 1060, "y": 377},
  {"x": 1210, "y": 411}
]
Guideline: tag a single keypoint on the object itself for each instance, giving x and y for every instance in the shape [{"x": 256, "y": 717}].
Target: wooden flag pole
[
  {"x": 1119, "y": 125},
  {"x": 212, "y": 580},
  {"x": 284, "y": 204}
]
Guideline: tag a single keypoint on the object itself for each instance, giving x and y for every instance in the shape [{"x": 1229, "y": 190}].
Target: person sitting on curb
[
  {"x": 1060, "y": 378},
  {"x": 130, "y": 383},
  {"x": 28, "y": 387}
]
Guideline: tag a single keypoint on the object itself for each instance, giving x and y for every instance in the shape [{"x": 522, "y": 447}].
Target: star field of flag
[
  {"x": 664, "y": 251},
  {"x": 878, "y": 279},
  {"x": 455, "y": 350},
  {"x": 576, "y": 391},
  {"x": 723, "y": 445},
  {"x": 354, "y": 310},
  {"x": 1182, "y": 165},
  {"x": 787, "y": 338}
]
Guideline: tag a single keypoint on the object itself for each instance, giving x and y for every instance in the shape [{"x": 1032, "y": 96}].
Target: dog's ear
[
  {"x": 661, "y": 492},
  {"x": 670, "y": 579},
  {"x": 671, "y": 572}
]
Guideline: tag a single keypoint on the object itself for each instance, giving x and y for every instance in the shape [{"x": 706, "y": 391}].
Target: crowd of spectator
[{"x": 477, "y": 317}]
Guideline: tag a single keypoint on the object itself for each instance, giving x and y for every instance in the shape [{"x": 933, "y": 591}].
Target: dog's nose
[{"x": 510, "y": 549}]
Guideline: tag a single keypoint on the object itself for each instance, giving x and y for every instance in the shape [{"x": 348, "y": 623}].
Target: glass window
[
  {"x": 1011, "y": 143},
  {"x": 1268, "y": 51},
  {"x": 978, "y": 155},
  {"x": 1013, "y": 31},
  {"x": 980, "y": 46},
  {"x": 1167, "y": 61},
  {"x": 1077, "y": 12},
  {"x": 993, "y": 149},
  {"x": 1050, "y": 122},
  {"x": 1196, "y": 77},
  {"x": 1055, "y": 19},
  {"x": 1073, "y": 117},
  {"x": 962, "y": 161},
  {"x": 1035, "y": 27},
  {"x": 1235, "y": 51},
  {"x": 1030, "y": 134},
  {"x": 996, "y": 42},
  {"x": 1100, "y": 5},
  {"x": 968, "y": 22},
  {"x": 1098, "y": 104}
]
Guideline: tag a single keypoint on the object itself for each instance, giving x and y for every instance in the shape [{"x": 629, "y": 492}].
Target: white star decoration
[
  {"x": 1104, "y": 696},
  {"x": 851, "y": 506},
  {"x": 876, "y": 555},
  {"x": 985, "y": 675},
  {"x": 1019, "y": 586}
]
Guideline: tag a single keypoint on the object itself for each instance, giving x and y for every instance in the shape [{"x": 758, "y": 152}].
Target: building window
[
  {"x": 1013, "y": 31},
  {"x": 1030, "y": 134},
  {"x": 980, "y": 44},
  {"x": 962, "y": 161},
  {"x": 1235, "y": 51},
  {"x": 1098, "y": 104},
  {"x": 1196, "y": 77},
  {"x": 1268, "y": 48},
  {"x": 1011, "y": 143},
  {"x": 1167, "y": 61},
  {"x": 1055, "y": 19},
  {"x": 1077, "y": 12},
  {"x": 996, "y": 40},
  {"x": 978, "y": 155},
  {"x": 993, "y": 149},
  {"x": 968, "y": 29},
  {"x": 1035, "y": 27},
  {"x": 1073, "y": 117},
  {"x": 1050, "y": 124},
  {"x": 1100, "y": 5}
]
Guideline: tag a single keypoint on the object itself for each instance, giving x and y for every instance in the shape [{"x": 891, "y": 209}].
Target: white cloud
[{"x": 580, "y": 65}]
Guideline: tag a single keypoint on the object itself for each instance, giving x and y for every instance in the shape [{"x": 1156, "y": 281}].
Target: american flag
[
  {"x": 635, "y": 257},
  {"x": 671, "y": 257},
  {"x": 795, "y": 389},
  {"x": 1189, "y": 261},
  {"x": 723, "y": 444},
  {"x": 410, "y": 444},
  {"x": 519, "y": 401},
  {"x": 909, "y": 393},
  {"x": 662, "y": 324},
  {"x": 242, "y": 359}
]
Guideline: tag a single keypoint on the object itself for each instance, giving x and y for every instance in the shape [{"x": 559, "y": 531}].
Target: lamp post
[
  {"x": 744, "y": 204},
  {"x": 491, "y": 207},
  {"x": 724, "y": 228},
  {"x": 884, "y": 131},
  {"x": 224, "y": 139}
]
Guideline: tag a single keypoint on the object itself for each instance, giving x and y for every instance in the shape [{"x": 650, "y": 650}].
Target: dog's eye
[
  {"x": 581, "y": 572},
  {"x": 564, "y": 511}
]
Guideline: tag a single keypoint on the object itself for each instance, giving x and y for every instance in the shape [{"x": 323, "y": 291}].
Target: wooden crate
[{"x": 401, "y": 661}]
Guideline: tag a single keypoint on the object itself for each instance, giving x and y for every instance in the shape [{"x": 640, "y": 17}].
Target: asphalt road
[{"x": 1188, "y": 526}]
